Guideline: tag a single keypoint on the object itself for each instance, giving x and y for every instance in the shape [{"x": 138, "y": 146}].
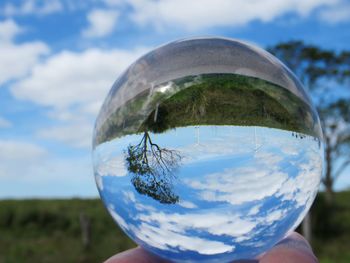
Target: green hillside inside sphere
[{"x": 210, "y": 99}]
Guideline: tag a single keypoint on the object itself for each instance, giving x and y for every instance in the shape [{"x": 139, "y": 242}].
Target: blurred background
[{"x": 59, "y": 58}]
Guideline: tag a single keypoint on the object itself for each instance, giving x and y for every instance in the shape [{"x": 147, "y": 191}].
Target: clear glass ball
[{"x": 207, "y": 149}]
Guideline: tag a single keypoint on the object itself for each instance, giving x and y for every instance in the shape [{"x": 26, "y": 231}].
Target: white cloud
[
  {"x": 73, "y": 86},
  {"x": 74, "y": 79},
  {"x": 30, "y": 170},
  {"x": 19, "y": 151},
  {"x": 171, "y": 231},
  {"x": 129, "y": 197},
  {"x": 32, "y": 7},
  {"x": 115, "y": 2},
  {"x": 303, "y": 187},
  {"x": 121, "y": 222},
  {"x": 261, "y": 174},
  {"x": 254, "y": 210},
  {"x": 141, "y": 207},
  {"x": 274, "y": 215},
  {"x": 101, "y": 23},
  {"x": 224, "y": 141},
  {"x": 187, "y": 204},
  {"x": 214, "y": 223},
  {"x": 206, "y": 13},
  {"x": 8, "y": 30},
  {"x": 111, "y": 166},
  {"x": 4, "y": 123},
  {"x": 164, "y": 238},
  {"x": 244, "y": 190},
  {"x": 264, "y": 175},
  {"x": 17, "y": 59},
  {"x": 336, "y": 14},
  {"x": 75, "y": 134},
  {"x": 245, "y": 215},
  {"x": 231, "y": 185}
]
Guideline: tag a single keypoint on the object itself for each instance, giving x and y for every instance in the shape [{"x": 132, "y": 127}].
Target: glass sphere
[{"x": 208, "y": 150}]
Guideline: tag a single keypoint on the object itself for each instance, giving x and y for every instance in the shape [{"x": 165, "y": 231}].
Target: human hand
[{"x": 293, "y": 249}]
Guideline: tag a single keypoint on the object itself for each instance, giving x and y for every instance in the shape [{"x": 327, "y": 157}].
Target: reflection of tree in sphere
[
  {"x": 152, "y": 168},
  {"x": 207, "y": 150}
]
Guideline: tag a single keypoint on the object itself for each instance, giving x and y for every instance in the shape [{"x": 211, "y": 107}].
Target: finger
[
  {"x": 135, "y": 255},
  {"x": 293, "y": 249}
]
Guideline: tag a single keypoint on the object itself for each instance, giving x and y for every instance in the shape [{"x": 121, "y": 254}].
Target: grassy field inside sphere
[{"x": 210, "y": 99}]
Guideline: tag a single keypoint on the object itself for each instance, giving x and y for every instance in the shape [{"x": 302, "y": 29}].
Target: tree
[
  {"x": 326, "y": 75},
  {"x": 153, "y": 169}
]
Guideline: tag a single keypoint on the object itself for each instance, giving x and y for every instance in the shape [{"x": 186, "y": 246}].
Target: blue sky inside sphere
[
  {"x": 58, "y": 60},
  {"x": 240, "y": 189}
]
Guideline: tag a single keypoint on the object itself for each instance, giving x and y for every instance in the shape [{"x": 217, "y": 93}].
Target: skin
[{"x": 293, "y": 249}]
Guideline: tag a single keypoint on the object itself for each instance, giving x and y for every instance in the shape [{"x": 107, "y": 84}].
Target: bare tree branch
[{"x": 153, "y": 168}]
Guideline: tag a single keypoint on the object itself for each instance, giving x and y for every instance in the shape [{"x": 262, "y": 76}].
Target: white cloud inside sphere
[
  {"x": 237, "y": 196},
  {"x": 265, "y": 177}
]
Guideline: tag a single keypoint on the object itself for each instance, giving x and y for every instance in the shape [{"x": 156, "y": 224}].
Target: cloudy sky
[
  {"x": 235, "y": 200},
  {"x": 59, "y": 58}
]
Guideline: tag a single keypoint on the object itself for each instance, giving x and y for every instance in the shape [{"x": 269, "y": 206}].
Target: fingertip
[
  {"x": 134, "y": 255},
  {"x": 296, "y": 241},
  {"x": 293, "y": 249}
]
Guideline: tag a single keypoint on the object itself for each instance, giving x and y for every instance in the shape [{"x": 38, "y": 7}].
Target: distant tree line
[{"x": 326, "y": 75}]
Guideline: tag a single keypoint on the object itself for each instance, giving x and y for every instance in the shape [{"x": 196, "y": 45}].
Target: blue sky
[
  {"x": 59, "y": 58},
  {"x": 234, "y": 200}
]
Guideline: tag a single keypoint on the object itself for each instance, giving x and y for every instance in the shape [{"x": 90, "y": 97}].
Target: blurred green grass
[
  {"x": 331, "y": 228},
  {"x": 50, "y": 231}
]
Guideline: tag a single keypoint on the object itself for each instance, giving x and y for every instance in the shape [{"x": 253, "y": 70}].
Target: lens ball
[{"x": 208, "y": 150}]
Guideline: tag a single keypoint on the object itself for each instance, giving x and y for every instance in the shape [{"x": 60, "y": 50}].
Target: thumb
[{"x": 293, "y": 249}]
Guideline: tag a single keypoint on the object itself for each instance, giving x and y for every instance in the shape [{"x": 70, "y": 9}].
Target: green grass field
[
  {"x": 211, "y": 99},
  {"x": 50, "y": 231}
]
